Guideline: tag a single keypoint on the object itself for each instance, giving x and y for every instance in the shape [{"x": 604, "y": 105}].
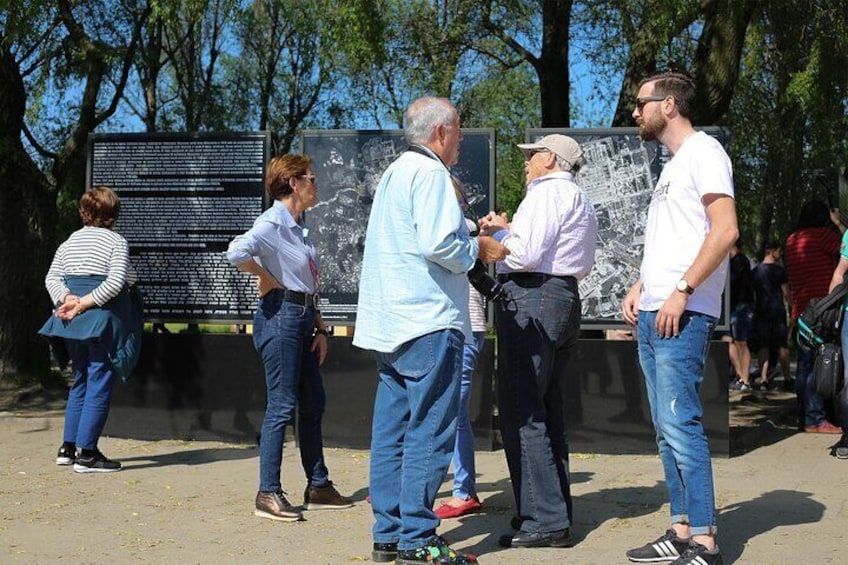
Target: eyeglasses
[
  {"x": 642, "y": 100},
  {"x": 310, "y": 178}
]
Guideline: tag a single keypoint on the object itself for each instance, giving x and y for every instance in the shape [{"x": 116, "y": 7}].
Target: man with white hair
[
  {"x": 552, "y": 246},
  {"x": 413, "y": 313}
]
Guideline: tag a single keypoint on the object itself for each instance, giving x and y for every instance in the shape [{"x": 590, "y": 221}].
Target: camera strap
[{"x": 427, "y": 153}]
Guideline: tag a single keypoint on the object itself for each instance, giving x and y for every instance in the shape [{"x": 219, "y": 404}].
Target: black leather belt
[
  {"x": 533, "y": 278},
  {"x": 296, "y": 297}
]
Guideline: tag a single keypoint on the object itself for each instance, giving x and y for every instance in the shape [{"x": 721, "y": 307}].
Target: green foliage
[
  {"x": 499, "y": 99},
  {"x": 789, "y": 114}
]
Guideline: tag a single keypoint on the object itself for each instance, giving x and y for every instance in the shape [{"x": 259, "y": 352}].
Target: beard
[{"x": 650, "y": 129}]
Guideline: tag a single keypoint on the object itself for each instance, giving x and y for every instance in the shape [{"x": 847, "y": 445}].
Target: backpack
[{"x": 821, "y": 320}]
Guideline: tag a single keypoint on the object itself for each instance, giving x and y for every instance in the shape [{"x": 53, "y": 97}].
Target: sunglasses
[
  {"x": 310, "y": 178},
  {"x": 531, "y": 152},
  {"x": 642, "y": 100}
]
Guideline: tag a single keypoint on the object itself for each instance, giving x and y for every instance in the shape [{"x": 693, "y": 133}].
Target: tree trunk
[
  {"x": 27, "y": 222},
  {"x": 717, "y": 57},
  {"x": 552, "y": 65}
]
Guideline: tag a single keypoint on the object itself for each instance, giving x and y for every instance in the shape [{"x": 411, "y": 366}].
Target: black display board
[
  {"x": 619, "y": 176},
  {"x": 348, "y": 165},
  {"x": 184, "y": 197}
]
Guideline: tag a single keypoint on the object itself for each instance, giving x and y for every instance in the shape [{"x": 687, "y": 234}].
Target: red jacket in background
[{"x": 810, "y": 256}]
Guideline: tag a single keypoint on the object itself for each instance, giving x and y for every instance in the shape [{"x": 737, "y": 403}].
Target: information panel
[
  {"x": 619, "y": 177},
  {"x": 348, "y": 165},
  {"x": 184, "y": 197}
]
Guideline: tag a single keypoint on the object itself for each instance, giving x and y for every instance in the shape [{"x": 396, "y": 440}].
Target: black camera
[{"x": 479, "y": 278}]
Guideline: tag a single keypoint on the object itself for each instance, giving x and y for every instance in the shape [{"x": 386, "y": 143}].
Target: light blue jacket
[{"x": 417, "y": 254}]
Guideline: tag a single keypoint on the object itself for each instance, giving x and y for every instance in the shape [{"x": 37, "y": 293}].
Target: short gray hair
[{"x": 424, "y": 115}]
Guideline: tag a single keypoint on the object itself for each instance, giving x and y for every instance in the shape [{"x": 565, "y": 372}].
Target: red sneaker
[
  {"x": 470, "y": 506},
  {"x": 823, "y": 428}
]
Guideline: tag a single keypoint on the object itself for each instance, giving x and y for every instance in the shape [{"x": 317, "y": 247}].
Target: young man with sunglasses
[{"x": 675, "y": 304}]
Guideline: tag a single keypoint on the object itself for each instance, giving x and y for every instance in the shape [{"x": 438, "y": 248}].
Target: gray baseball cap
[{"x": 562, "y": 145}]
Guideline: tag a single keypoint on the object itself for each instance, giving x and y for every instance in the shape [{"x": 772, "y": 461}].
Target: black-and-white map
[
  {"x": 347, "y": 165},
  {"x": 619, "y": 177}
]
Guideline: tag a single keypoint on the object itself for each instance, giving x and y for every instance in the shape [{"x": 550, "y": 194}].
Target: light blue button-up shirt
[
  {"x": 280, "y": 246},
  {"x": 417, "y": 254}
]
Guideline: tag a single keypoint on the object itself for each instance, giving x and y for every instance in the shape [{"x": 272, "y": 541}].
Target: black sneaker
[
  {"x": 697, "y": 554},
  {"x": 384, "y": 552},
  {"x": 89, "y": 461},
  {"x": 841, "y": 450},
  {"x": 67, "y": 454},
  {"x": 436, "y": 552},
  {"x": 666, "y": 548}
]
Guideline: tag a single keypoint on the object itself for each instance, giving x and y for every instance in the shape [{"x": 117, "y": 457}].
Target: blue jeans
[
  {"x": 412, "y": 436},
  {"x": 811, "y": 410},
  {"x": 740, "y": 321},
  {"x": 674, "y": 371},
  {"x": 90, "y": 394},
  {"x": 841, "y": 408},
  {"x": 537, "y": 325},
  {"x": 464, "y": 471},
  {"x": 282, "y": 334}
]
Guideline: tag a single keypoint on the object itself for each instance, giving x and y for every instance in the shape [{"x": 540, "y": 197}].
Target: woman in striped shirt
[{"x": 89, "y": 272}]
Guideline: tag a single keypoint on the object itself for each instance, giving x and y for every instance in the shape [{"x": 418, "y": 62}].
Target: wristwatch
[{"x": 684, "y": 287}]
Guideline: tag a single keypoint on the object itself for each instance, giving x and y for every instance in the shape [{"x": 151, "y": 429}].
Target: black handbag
[{"x": 827, "y": 371}]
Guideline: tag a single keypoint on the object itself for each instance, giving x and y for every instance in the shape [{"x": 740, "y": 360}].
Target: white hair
[
  {"x": 566, "y": 166},
  {"x": 423, "y": 117}
]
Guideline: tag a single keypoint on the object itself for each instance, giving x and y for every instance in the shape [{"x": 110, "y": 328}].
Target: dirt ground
[{"x": 781, "y": 501}]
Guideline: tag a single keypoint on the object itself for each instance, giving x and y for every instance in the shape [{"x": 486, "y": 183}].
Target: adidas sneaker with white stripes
[
  {"x": 697, "y": 554},
  {"x": 666, "y": 548}
]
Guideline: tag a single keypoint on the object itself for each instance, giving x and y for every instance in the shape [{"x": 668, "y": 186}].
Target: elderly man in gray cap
[{"x": 552, "y": 246}]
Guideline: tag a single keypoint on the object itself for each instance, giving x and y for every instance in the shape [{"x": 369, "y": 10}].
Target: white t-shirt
[{"x": 678, "y": 224}]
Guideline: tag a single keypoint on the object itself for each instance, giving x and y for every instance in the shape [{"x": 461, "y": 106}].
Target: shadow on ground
[
  {"x": 743, "y": 521},
  {"x": 761, "y": 418}
]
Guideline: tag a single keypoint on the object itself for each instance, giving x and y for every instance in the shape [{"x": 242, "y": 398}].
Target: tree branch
[{"x": 38, "y": 147}]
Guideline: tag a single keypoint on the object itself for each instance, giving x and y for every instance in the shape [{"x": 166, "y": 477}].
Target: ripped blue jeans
[{"x": 674, "y": 371}]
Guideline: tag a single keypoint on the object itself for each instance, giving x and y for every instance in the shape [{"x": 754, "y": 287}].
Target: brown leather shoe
[
  {"x": 273, "y": 505},
  {"x": 324, "y": 498}
]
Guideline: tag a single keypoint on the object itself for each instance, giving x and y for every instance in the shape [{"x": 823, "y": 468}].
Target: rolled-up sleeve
[{"x": 256, "y": 242}]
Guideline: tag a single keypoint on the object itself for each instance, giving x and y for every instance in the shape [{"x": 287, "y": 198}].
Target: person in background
[
  {"x": 290, "y": 335},
  {"x": 741, "y": 315},
  {"x": 93, "y": 323},
  {"x": 413, "y": 313},
  {"x": 551, "y": 241},
  {"x": 675, "y": 305},
  {"x": 840, "y": 450},
  {"x": 810, "y": 255},
  {"x": 771, "y": 287},
  {"x": 464, "y": 499}
]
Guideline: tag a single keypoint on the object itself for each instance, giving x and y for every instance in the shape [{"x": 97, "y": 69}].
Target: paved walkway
[{"x": 782, "y": 501}]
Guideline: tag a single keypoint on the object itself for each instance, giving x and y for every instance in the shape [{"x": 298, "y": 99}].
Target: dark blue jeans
[
  {"x": 811, "y": 411},
  {"x": 282, "y": 334},
  {"x": 90, "y": 394},
  {"x": 413, "y": 434},
  {"x": 537, "y": 326}
]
